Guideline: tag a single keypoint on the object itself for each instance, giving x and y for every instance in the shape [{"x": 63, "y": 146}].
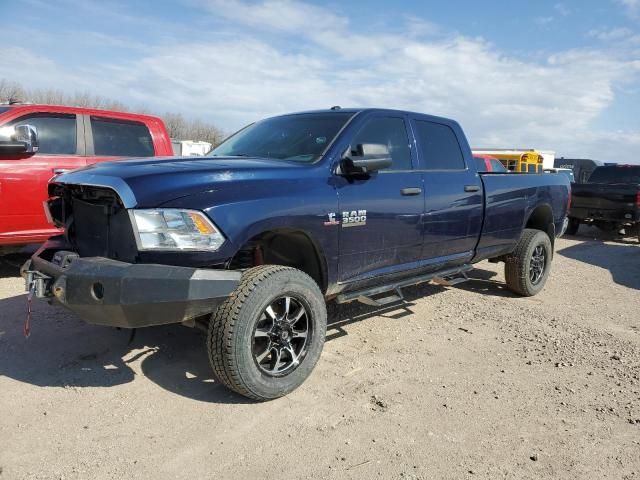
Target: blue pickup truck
[{"x": 288, "y": 213}]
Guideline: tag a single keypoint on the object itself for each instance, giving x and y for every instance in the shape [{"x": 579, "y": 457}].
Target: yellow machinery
[{"x": 523, "y": 161}]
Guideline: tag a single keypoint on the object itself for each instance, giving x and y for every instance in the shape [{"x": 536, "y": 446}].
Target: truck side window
[
  {"x": 56, "y": 133},
  {"x": 389, "y": 131},
  {"x": 439, "y": 146},
  {"x": 121, "y": 138}
]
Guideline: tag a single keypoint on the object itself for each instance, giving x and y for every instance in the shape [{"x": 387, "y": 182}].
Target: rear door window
[
  {"x": 57, "y": 134},
  {"x": 439, "y": 146},
  {"x": 121, "y": 138},
  {"x": 481, "y": 165}
]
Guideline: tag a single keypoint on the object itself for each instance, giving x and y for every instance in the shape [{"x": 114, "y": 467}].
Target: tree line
[{"x": 179, "y": 127}]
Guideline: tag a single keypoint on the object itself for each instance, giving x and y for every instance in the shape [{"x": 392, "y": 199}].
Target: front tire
[
  {"x": 267, "y": 337},
  {"x": 527, "y": 268}
]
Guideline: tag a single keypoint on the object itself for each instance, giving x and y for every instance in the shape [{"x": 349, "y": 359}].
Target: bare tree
[
  {"x": 177, "y": 125},
  {"x": 11, "y": 91},
  {"x": 181, "y": 128},
  {"x": 205, "y": 131}
]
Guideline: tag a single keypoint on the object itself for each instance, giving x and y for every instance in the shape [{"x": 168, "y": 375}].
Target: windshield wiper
[{"x": 234, "y": 155}]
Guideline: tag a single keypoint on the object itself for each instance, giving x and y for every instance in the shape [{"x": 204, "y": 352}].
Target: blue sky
[{"x": 562, "y": 76}]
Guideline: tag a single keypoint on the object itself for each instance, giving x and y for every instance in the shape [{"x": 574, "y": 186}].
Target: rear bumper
[
  {"x": 108, "y": 292},
  {"x": 618, "y": 216},
  {"x": 563, "y": 229}
]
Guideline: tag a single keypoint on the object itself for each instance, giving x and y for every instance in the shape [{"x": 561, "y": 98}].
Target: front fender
[{"x": 245, "y": 210}]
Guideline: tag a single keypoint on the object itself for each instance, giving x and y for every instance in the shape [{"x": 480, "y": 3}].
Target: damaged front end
[{"x": 95, "y": 268}]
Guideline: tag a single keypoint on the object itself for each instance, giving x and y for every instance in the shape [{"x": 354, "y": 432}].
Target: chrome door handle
[
  {"x": 471, "y": 188},
  {"x": 410, "y": 191}
]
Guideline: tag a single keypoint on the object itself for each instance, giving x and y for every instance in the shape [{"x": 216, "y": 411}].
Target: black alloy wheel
[
  {"x": 281, "y": 336},
  {"x": 265, "y": 339},
  {"x": 527, "y": 267},
  {"x": 537, "y": 264}
]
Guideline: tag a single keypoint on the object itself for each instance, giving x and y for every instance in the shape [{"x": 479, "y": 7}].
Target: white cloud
[
  {"x": 562, "y": 9},
  {"x": 543, "y": 20},
  {"x": 622, "y": 37},
  {"x": 280, "y": 15},
  {"x": 612, "y": 34},
  {"x": 282, "y": 55},
  {"x": 631, "y": 6},
  {"x": 416, "y": 26}
]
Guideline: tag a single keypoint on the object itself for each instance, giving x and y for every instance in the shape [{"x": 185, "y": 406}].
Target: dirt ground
[{"x": 461, "y": 382}]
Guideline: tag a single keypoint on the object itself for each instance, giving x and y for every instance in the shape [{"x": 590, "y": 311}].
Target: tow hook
[{"x": 36, "y": 283}]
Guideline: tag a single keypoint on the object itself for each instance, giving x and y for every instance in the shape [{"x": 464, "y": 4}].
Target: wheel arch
[
  {"x": 541, "y": 218},
  {"x": 284, "y": 246}
]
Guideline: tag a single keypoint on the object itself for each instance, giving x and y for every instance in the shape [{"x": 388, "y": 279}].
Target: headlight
[{"x": 174, "y": 229}]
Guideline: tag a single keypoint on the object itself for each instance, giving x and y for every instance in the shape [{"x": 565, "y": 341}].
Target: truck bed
[{"x": 510, "y": 200}]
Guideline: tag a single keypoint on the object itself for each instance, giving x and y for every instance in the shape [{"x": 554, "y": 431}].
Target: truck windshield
[
  {"x": 300, "y": 138},
  {"x": 616, "y": 174}
]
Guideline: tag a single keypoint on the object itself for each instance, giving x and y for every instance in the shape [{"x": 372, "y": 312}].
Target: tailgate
[{"x": 604, "y": 196}]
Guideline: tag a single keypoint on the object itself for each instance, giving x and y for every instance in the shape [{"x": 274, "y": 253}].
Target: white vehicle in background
[
  {"x": 565, "y": 171},
  {"x": 190, "y": 148},
  {"x": 548, "y": 158}
]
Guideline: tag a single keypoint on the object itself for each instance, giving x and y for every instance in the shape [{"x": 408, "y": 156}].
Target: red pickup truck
[{"x": 38, "y": 142}]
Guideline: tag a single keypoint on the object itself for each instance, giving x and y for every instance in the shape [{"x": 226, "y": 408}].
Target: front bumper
[
  {"x": 619, "y": 216},
  {"x": 109, "y": 292}
]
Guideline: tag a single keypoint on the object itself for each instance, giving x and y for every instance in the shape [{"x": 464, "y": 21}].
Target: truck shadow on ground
[
  {"x": 340, "y": 316},
  {"x": 65, "y": 352},
  {"x": 590, "y": 232},
  {"x": 622, "y": 261},
  {"x": 480, "y": 281}
]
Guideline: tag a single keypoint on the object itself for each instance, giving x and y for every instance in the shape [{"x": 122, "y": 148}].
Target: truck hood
[{"x": 152, "y": 182}]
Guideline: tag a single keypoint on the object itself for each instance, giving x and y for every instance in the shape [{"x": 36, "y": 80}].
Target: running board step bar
[
  {"x": 368, "y": 296},
  {"x": 381, "y": 301},
  {"x": 451, "y": 281}
]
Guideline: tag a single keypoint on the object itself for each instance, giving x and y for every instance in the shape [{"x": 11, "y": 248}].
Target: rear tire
[
  {"x": 266, "y": 338},
  {"x": 573, "y": 226},
  {"x": 527, "y": 267}
]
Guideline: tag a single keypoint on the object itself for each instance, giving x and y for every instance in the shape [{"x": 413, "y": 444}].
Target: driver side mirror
[
  {"x": 366, "y": 158},
  {"x": 22, "y": 139}
]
